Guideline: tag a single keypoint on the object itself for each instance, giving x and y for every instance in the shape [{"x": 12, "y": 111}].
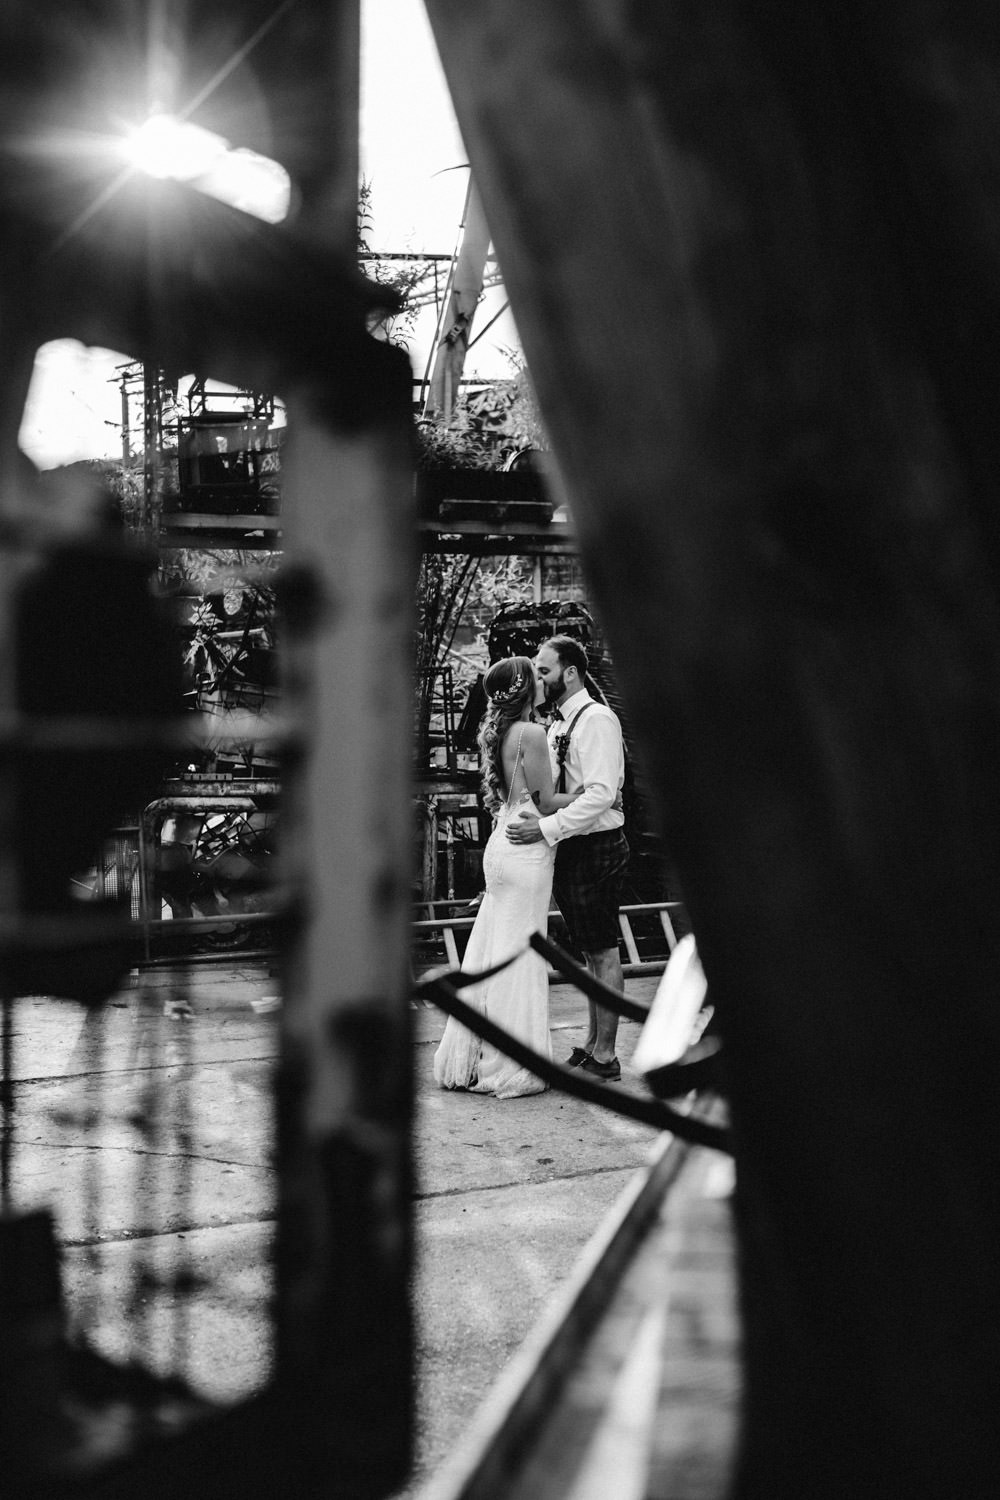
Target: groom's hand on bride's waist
[{"x": 525, "y": 830}]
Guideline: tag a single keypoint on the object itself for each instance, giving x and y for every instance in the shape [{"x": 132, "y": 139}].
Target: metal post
[
  {"x": 464, "y": 292},
  {"x": 126, "y": 431},
  {"x": 344, "y": 1103},
  {"x": 152, "y": 421},
  {"x": 344, "y": 1339}
]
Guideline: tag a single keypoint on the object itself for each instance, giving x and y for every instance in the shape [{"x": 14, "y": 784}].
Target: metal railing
[
  {"x": 253, "y": 797},
  {"x": 446, "y": 924}
]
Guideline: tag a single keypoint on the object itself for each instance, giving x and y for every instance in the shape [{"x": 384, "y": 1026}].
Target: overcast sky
[{"x": 412, "y": 154}]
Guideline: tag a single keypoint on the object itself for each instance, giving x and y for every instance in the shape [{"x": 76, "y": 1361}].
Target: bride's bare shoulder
[{"x": 526, "y": 733}]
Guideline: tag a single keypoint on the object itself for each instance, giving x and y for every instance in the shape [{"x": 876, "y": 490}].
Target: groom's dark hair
[{"x": 569, "y": 652}]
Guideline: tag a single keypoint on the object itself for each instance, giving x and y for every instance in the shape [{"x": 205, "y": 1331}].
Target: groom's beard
[{"x": 553, "y": 692}]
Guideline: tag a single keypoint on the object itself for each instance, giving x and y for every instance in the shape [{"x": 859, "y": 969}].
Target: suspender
[{"x": 562, "y": 745}]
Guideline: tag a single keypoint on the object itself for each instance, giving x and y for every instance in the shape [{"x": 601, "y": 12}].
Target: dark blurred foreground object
[
  {"x": 189, "y": 285},
  {"x": 794, "y": 211},
  {"x": 93, "y": 648}
]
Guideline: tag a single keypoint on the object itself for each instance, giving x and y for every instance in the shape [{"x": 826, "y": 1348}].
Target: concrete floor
[
  {"x": 149, "y": 1132},
  {"x": 510, "y": 1191}
]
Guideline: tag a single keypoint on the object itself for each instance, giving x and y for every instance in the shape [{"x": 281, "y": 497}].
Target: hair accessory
[{"x": 504, "y": 695}]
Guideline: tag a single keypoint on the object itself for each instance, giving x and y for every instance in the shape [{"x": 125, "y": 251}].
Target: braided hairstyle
[{"x": 509, "y": 685}]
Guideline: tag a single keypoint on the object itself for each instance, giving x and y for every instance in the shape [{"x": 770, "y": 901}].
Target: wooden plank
[
  {"x": 577, "y": 1412},
  {"x": 628, "y": 937},
  {"x": 451, "y": 947},
  {"x": 448, "y": 926},
  {"x": 620, "y": 1444},
  {"x": 217, "y": 521},
  {"x": 552, "y": 531},
  {"x": 668, "y": 929}
]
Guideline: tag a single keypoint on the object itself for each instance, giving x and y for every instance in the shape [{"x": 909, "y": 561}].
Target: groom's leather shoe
[
  {"x": 609, "y": 1071},
  {"x": 576, "y": 1057}
]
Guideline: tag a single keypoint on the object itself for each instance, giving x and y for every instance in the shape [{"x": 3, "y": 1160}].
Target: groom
[{"x": 585, "y": 742}]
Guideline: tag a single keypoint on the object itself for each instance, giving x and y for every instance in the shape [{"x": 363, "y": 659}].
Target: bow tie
[{"x": 557, "y": 717}]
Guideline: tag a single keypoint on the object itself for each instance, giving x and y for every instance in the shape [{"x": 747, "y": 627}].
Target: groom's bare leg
[
  {"x": 591, "y": 1040},
  {"x": 606, "y": 966}
]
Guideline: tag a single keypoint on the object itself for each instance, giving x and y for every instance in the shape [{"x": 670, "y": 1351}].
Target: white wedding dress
[{"x": 518, "y": 891}]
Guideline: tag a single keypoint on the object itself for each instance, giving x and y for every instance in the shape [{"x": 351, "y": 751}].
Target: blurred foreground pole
[
  {"x": 344, "y": 1355},
  {"x": 188, "y": 284},
  {"x": 754, "y": 257}
]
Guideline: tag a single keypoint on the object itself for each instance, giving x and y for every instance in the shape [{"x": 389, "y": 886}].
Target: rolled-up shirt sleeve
[{"x": 599, "y": 747}]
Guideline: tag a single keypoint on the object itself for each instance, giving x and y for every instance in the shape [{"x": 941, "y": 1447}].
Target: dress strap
[{"x": 517, "y": 762}]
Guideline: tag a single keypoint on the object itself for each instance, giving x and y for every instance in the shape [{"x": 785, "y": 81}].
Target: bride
[{"x": 517, "y": 780}]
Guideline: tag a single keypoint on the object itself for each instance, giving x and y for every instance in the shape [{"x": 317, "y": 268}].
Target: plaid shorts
[{"x": 589, "y": 875}]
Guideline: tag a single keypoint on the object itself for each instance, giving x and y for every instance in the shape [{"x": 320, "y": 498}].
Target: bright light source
[
  {"x": 253, "y": 183},
  {"x": 164, "y": 146},
  {"x": 167, "y": 147}
]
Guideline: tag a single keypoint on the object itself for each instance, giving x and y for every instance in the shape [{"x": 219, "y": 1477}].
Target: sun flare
[{"x": 165, "y": 146}]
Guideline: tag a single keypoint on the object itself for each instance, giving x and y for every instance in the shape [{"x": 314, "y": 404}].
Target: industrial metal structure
[
  {"x": 753, "y": 256},
  {"x": 186, "y": 285}
]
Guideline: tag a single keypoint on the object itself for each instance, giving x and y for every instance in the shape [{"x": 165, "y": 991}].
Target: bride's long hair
[{"x": 509, "y": 685}]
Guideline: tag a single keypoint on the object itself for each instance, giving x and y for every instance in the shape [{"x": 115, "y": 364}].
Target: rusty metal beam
[{"x": 464, "y": 290}]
